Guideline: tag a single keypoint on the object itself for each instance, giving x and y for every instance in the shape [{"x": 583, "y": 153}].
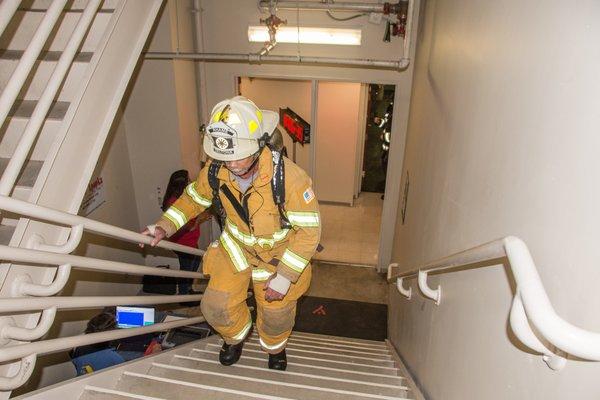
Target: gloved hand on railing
[{"x": 156, "y": 232}]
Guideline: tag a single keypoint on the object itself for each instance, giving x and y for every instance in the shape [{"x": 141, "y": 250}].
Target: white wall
[
  {"x": 336, "y": 140},
  {"x": 272, "y": 94},
  {"x": 225, "y": 26},
  {"x": 161, "y": 118},
  {"x": 503, "y": 139}
]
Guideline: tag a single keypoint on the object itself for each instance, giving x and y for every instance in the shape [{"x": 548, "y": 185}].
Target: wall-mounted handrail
[
  {"x": 60, "y": 217},
  {"x": 18, "y": 304},
  {"x": 23, "y": 148},
  {"x": 20, "y": 74},
  {"x": 20, "y": 255},
  {"x": 533, "y": 301}
]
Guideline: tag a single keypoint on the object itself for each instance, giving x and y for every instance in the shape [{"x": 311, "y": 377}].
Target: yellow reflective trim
[
  {"x": 251, "y": 240},
  {"x": 273, "y": 347},
  {"x": 235, "y": 252},
  {"x": 259, "y": 115},
  {"x": 216, "y": 116},
  {"x": 305, "y": 219},
  {"x": 294, "y": 261},
  {"x": 191, "y": 191},
  {"x": 252, "y": 126},
  {"x": 259, "y": 274},
  {"x": 176, "y": 216},
  {"x": 244, "y": 331}
]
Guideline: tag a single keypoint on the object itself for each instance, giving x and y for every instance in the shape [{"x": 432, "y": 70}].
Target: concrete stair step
[
  {"x": 153, "y": 386},
  {"x": 20, "y": 30},
  {"x": 309, "y": 361},
  {"x": 383, "y": 354},
  {"x": 6, "y": 234},
  {"x": 13, "y": 129},
  {"x": 325, "y": 355},
  {"x": 338, "y": 340},
  {"x": 336, "y": 344},
  {"x": 23, "y": 109},
  {"x": 315, "y": 378},
  {"x": 260, "y": 361},
  {"x": 259, "y": 385},
  {"x": 96, "y": 393},
  {"x": 40, "y": 75}
]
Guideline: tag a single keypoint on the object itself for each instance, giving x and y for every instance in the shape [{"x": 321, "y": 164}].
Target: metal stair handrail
[
  {"x": 531, "y": 316},
  {"x": 35, "y": 211}
]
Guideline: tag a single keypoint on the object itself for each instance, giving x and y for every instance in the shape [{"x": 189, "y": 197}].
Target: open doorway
[{"x": 344, "y": 149}]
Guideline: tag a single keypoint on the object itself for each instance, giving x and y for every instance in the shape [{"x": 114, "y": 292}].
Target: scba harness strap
[{"x": 277, "y": 188}]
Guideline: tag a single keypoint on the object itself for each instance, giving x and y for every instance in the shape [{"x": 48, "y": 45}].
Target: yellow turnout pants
[{"x": 224, "y": 301}]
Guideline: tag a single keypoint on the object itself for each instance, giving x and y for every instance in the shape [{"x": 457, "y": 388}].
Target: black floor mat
[{"x": 353, "y": 319}]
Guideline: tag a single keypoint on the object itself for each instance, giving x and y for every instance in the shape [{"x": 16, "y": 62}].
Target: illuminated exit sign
[{"x": 295, "y": 126}]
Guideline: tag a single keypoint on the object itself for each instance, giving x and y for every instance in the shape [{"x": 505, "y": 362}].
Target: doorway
[{"x": 340, "y": 115}]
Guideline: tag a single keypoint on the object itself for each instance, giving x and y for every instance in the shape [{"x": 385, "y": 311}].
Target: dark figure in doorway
[{"x": 385, "y": 123}]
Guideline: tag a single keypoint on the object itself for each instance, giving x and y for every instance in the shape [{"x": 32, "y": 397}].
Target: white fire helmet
[{"x": 235, "y": 128}]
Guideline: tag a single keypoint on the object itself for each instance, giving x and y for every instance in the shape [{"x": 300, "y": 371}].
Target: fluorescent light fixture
[{"x": 289, "y": 34}]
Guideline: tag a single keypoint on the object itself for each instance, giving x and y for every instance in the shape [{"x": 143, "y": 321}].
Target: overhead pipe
[
  {"x": 257, "y": 58},
  {"x": 386, "y": 8}
]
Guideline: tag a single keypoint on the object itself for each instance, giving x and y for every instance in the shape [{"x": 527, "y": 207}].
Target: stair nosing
[
  {"x": 201, "y": 386},
  {"x": 318, "y": 366},
  {"x": 121, "y": 393},
  {"x": 292, "y": 340},
  {"x": 386, "y": 353},
  {"x": 304, "y": 335},
  {"x": 272, "y": 382},
  {"x": 325, "y": 353},
  {"x": 331, "y": 361}
]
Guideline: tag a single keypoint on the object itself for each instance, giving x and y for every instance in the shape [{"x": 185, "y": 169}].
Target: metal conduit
[
  {"x": 59, "y": 217},
  {"x": 54, "y": 345},
  {"x": 257, "y": 58},
  {"x": 30, "y": 55},
  {"x": 9, "y": 177},
  {"x": 316, "y": 5},
  {"x": 18, "y": 304},
  {"x": 17, "y": 254}
]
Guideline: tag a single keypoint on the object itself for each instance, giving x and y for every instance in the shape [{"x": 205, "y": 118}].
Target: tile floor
[{"x": 351, "y": 234}]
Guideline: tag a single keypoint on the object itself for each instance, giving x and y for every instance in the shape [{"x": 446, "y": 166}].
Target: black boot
[
  {"x": 230, "y": 353},
  {"x": 278, "y": 361}
]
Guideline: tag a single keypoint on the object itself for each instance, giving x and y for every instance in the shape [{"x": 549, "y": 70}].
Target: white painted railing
[
  {"x": 21, "y": 286},
  {"x": 25, "y": 295},
  {"x": 531, "y": 306}
]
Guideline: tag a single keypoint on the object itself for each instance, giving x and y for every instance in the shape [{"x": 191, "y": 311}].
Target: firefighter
[{"x": 271, "y": 229}]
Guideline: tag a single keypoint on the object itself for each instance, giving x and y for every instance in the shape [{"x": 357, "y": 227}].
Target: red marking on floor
[{"x": 320, "y": 310}]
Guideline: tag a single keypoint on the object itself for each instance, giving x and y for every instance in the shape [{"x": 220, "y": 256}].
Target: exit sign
[{"x": 295, "y": 126}]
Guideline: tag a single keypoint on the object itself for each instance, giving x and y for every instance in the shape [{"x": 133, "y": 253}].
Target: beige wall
[
  {"x": 161, "y": 118},
  {"x": 503, "y": 140},
  {"x": 272, "y": 94},
  {"x": 336, "y": 140},
  {"x": 225, "y": 25}
]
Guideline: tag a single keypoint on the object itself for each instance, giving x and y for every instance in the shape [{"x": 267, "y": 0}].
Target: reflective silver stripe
[
  {"x": 274, "y": 347},
  {"x": 191, "y": 191},
  {"x": 176, "y": 216},
  {"x": 242, "y": 237},
  {"x": 235, "y": 252},
  {"x": 244, "y": 331},
  {"x": 259, "y": 274},
  {"x": 307, "y": 219},
  {"x": 294, "y": 261},
  {"x": 251, "y": 240}
]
